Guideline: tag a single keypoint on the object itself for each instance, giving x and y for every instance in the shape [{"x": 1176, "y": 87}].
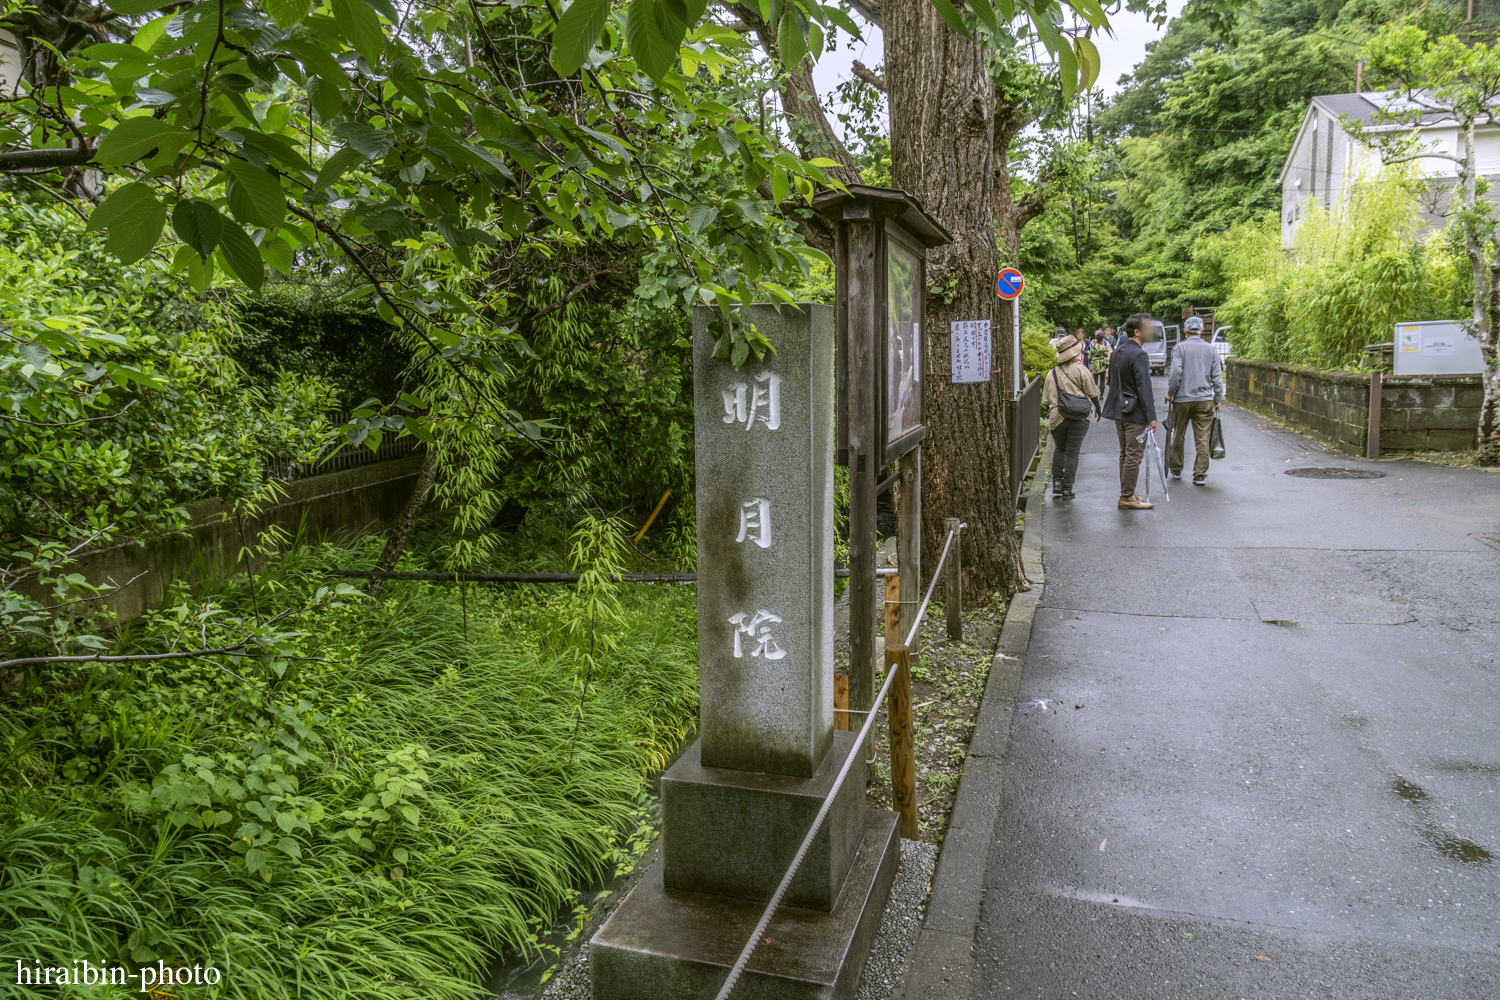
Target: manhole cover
[{"x": 1320, "y": 473}]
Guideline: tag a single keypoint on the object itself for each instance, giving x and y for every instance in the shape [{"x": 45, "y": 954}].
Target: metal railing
[
  {"x": 347, "y": 456},
  {"x": 840, "y": 572},
  {"x": 855, "y": 754},
  {"x": 1025, "y": 433}
]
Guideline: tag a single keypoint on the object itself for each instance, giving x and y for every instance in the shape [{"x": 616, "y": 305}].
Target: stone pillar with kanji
[{"x": 738, "y": 802}]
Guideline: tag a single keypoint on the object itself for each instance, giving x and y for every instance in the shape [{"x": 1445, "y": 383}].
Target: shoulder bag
[{"x": 1072, "y": 405}]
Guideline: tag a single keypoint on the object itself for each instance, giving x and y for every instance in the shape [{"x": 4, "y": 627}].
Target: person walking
[
  {"x": 1068, "y": 389},
  {"x": 1195, "y": 389},
  {"x": 1098, "y": 355},
  {"x": 1130, "y": 405}
]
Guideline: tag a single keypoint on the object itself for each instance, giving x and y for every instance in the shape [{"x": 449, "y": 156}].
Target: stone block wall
[
  {"x": 364, "y": 498},
  {"x": 1417, "y": 412}
]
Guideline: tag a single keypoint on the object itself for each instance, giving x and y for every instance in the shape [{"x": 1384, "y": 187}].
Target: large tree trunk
[
  {"x": 1011, "y": 216},
  {"x": 942, "y": 106}
]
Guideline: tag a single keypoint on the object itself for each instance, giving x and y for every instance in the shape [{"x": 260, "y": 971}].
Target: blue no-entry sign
[{"x": 1008, "y": 286}]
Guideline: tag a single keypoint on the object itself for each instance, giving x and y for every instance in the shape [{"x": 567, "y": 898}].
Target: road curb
[{"x": 942, "y": 961}]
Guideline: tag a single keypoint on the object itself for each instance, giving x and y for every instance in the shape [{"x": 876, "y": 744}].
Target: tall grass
[
  {"x": 1354, "y": 273},
  {"x": 389, "y": 815}
]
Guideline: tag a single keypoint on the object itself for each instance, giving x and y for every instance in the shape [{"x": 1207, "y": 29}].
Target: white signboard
[
  {"x": 1437, "y": 347},
  {"x": 970, "y": 340}
]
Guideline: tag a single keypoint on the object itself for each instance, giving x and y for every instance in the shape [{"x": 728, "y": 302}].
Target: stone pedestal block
[
  {"x": 735, "y": 832},
  {"x": 764, "y": 458},
  {"x": 671, "y": 944}
]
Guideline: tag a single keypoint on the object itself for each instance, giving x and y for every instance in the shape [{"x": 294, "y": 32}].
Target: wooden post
[
  {"x": 903, "y": 756},
  {"x": 840, "y": 701},
  {"x": 953, "y": 587},
  {"x": 909, "y": 543},
  {"x": 893, "y": 610},
  {"x": 862, "y": 299},
  {"x": 1372, "y": 449}
]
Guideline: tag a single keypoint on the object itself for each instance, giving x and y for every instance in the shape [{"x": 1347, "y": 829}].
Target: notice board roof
[{"x": 876, "y": 203}]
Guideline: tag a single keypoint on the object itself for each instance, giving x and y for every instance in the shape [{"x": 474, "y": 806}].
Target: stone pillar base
[
  {"x": 673, "y": 944},
  {"x": 733, "y": 833}
]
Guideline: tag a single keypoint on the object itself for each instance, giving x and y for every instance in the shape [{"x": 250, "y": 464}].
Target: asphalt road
[{"x": 1256, "y": 751}]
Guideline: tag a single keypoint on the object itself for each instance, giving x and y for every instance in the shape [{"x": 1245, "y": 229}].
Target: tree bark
[
  {"x": 942, "y": 106},
  {"x": 1011, "y": 216}
]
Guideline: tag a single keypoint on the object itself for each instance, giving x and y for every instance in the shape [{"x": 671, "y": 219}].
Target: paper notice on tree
[{"x": 970, "y": 340}]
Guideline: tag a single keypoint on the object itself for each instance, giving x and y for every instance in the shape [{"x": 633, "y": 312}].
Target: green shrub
[
  {"x": 397, "y": 811},
  {"x": 1351, "y": 277}
]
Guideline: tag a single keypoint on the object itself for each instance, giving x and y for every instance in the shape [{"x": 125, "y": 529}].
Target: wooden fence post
[
  {"x": 903, "y": 756},
  {"x": 953, "y": 586},
  {"x": 841, "y": 701},
  {"x": 893, "y": 610}
]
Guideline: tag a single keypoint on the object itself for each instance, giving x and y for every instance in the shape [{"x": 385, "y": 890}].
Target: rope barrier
[{"x": 817, "y": 824}]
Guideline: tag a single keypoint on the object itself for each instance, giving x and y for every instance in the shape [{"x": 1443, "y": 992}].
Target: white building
[
  {"x": 10, "y": 63},
  {"x": 1325, "y": 159}
]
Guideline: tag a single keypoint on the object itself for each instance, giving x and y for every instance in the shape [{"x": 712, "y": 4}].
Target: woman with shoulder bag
[{"x": 1070, "y": 392}]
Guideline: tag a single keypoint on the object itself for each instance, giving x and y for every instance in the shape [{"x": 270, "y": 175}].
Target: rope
[{"x": 817, "y": 824}]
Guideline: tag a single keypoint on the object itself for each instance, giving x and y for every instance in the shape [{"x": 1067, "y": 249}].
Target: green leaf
[
  {"x": 287, "y": 12},
  {"x": 487, "y": 120},
  {"x": 326, "y": 98},
  {"x": 134, "y": 219},
  {"x": 290, "y": 847},
  {"x": 814, "y": 40},
  {"x": 198, "y": 224},
  {"x": 701, "y": 216},
  {"x": 361, "y": 25},
  {"x": 950, "y": 16},
  {"x": 729, "y": 142},
  {"x": 200, "y": 272},
  {"x": 255, "y": 195},
  {"x": 576, "y": 33},
  {"x": 243, "y": 257},
  {"x": 337, "y": 164},
  {"x": 277, "y": 252},
  {"x": 372, "y": 142},
  {"x": 779, "y": 185},
  {"x": 1067, "y": 71},
  {"x": 789, "y": 41},
  {"x": 653, "y": 35},
  {"x": 133, "y": 138}
]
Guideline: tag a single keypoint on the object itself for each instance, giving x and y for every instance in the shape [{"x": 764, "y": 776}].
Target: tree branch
[
  {"x": 44, "y": 159},
  {"x": 871, "y": 10},
  {"x": 869, "y": 76}
]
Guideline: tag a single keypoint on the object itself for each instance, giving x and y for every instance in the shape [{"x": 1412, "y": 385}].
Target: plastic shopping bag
[{"x": 1216, "y": 439}]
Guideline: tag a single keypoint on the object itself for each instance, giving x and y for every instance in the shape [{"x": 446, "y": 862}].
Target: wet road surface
[{"x": 1256, "y": 751}]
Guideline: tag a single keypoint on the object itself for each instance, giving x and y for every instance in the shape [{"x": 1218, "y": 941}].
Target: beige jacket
[{"x": 1071, "y": 377}]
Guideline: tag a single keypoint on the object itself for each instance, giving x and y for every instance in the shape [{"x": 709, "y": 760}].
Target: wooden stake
[
  {"x": 1372, "y": 449},
  {"x": 953, "y": 582},
  {"x": 840, "y": 701},
  {"x": 909, "y": 543},
  {"x": 903, "y": 755},
  {"x": 893, "y": 610}
]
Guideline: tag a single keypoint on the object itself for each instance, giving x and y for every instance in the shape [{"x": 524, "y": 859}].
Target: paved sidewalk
[{"x": 1284, "y": 776}]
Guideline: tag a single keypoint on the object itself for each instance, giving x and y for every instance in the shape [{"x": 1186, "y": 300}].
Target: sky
[{"x": 1118, "y": 55}]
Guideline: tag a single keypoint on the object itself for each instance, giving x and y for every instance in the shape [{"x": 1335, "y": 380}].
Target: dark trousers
[
  {"x": 1067, "y": 437},
  {"x": 1131, "y": 453},
  {"x": 1201, "y": 415}
]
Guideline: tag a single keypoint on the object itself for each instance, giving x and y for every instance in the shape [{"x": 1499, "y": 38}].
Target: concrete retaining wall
[
  {"x": 1417, "y": 412},
  {"x": 369, "y": 497}
]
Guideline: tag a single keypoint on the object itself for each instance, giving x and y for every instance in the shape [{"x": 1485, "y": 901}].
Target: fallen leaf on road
[
  {"x": 1261, "y": 958},
  {"x": 1077, "y": 706},
  {"x": 1103, "y": 842}
]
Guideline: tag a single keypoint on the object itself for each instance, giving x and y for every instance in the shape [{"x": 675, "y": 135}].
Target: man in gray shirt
[{"x": 1195, "y": 388}]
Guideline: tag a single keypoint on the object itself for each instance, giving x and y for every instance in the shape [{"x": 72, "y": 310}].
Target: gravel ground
[{"x": 898, "y": 932}]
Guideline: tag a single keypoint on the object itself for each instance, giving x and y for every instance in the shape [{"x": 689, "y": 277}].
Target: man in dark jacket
[{"x": 1130, "y": 406}]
